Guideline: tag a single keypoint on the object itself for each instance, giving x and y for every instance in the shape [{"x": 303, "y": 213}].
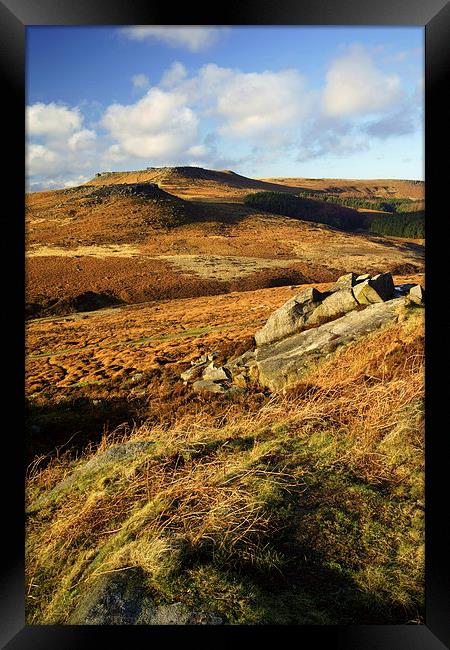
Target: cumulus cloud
[
  {"x": 159, "y": 125},
  {"x": 41, "y": 160},
  {"x": 140, "y": 81},
  {"x": 172, "y": 77},
  {"x": 193, "y": 38},
  {"x": 257, "y": 103},
  {"x": 58, "y": 147},
  {"x": 355, "y": 86},
  {"x": 81, "y": 140},
  {"x": 249, "y": 105},
  {"x": 53, "y": 120}
]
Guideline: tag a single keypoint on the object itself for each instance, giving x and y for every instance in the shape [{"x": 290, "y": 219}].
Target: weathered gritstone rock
[
  {"x": 383, "y": 285},
  {"x": 365, "y": 294},
  {"x": 193, "y": 372},
  {"x": 290, "y": 317},
  {"x": 121, "y": 599},
  {"x": 339, "y": 303},
  {"x": 235, "y": 366},
  {"x": 346, "y": 281},
  {"x": 209, "y": 386},
  {"x": 283, "y": 363},
  {"x": 293, "y": 339},
  {"x": 216, "y": 374},
  {"x": 377, "y": 289},
  {"x": 417, "y": 294}
]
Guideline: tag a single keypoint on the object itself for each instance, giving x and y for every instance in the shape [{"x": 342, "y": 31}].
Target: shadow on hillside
[
  {"x": 226, "y": 212},
  {"x": 73, "y": 424},
  {"x": 316, "y": 594}
]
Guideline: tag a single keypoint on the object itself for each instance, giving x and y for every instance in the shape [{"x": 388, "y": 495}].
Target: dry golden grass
[
  {"x": 219, "y": 487},
  {"x": 129, "y": 246}
]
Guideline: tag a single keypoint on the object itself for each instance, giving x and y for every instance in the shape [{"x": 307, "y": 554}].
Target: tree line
[
  {"x": 306, "y": 209},
  {"x": 375, "y": 203},
  {"x": 408, "y": 224}
]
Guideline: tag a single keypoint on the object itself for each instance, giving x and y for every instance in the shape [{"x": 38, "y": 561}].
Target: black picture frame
[{"x": 434, "y": 16}]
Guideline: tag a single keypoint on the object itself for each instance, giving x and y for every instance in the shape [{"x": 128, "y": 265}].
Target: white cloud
[
  {"x": 159, "y": 125},
  {"x": 254, "y": 104},
  {"x": 52, "y": 120},
  {"x": 113, "y": 155},
  {"x": 176, "y": 73},
  {"x": 193, "y": 38},
  {"x": 81, "y": 140},
  {"x": 198, "y": 151},
  {"x": 355, "y": 86},
  {"x": 249, "y": 105},
  {"x": 56, "y": 144},
  {"x": 41, "y": 160},
  {"x": 140, "y": 81},
  {"x": 77, "y": 180}
]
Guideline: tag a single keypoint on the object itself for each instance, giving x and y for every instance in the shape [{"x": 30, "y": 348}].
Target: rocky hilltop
[{"x": 308, "y": 328}]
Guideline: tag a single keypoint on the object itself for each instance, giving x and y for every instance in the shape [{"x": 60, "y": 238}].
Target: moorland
[{"x": 299, "y": 506}]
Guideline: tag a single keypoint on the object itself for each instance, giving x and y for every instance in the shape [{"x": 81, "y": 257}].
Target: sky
[{"x": 263, "y": 101}]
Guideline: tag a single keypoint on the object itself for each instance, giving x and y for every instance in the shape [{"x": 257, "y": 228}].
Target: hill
[
  {"x": 196, "y": 181},
  {"x": 385, "y": 188},
  {"x": 124, "y": 238},
  {"x": 188, "y": 182}
]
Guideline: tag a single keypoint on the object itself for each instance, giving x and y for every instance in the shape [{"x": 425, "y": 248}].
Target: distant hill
[
  {"x": 386, "y": 188},
  {"x": 190, "y": 182},
  {"x": 208, "y": 183},
  {"x": 179, "y": 232},
  {"x": 112, "y": 213}
]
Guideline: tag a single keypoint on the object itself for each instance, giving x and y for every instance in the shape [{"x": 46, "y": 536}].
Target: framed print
[{"x": 232, "y": 414}]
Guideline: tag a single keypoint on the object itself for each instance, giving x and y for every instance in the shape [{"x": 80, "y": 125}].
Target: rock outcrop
[
  {"x": 289, "y": 317},
  {"x": 305, "y": 330},
  {"x": 282, "y": 364},
  {"x": 121, "y": 599}
]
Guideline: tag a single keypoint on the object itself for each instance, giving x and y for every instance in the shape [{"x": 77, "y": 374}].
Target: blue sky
[{"x": 321, "y": 102}]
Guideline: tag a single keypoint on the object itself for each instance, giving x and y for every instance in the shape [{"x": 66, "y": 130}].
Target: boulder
[
  {"x": 379, "y": 288},
  {"x": 361, "y": 278},
  {"x": 193, "y": 372},
  {"x": 216, "y": 374},
  {"x": 346, "y": 281},
  {"x": 121, "y": 599},
  {"x": 383, "y": 285},
  {"x": 238, "y": 365},
  {"x": 208, "y": 386},
  {"x": 365, "y": 294},
  {"x": 417, "y": 294},
  {"x": 289, "y": 318},
  {"x": 337, "y": 304},
  {"x": 283, "y": 363}
]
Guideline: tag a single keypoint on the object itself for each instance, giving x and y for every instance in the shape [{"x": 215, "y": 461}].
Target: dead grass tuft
[{"x": 289, "y": 488}]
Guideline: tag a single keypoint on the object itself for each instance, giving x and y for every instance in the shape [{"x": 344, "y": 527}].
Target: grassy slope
[
  {"x": 117, "y": 239},
  {"x": 307, "y": 511}
]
